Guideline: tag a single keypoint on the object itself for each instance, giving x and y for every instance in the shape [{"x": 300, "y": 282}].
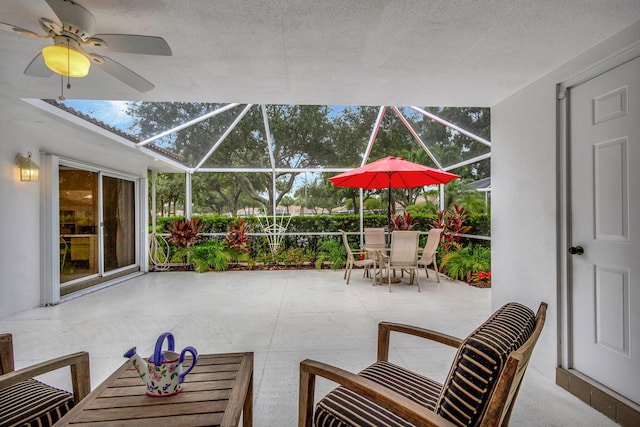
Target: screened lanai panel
[
  {"x": 142, "y": 120},
  {"x": 394, "y": 138},
  {"x": 450, "y": 146},
  {"x": 319, "y": 136},
  {"x": 245, "y": 146},
  {"x": 194, "y": 143}
]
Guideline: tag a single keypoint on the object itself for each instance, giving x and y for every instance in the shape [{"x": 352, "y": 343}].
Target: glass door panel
[
  {"x": 118, "y": 201},
  {"x": 78, "y": 203}
]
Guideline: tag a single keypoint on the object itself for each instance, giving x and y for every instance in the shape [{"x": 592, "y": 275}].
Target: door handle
[{"x": 576, "y": 250}]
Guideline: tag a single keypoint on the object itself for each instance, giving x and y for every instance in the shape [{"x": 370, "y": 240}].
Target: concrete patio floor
[{"x": 283, "y": 317}]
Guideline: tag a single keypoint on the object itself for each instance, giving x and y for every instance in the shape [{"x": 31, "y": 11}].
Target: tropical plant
[
  {"x": 238, "y": 239},
  {"x": 185, "y": 233},
  {"x": 464, "y": 262},
  {"x": 333, "y": 251},
  {"x": 212, "y": 254},
  {"x": 403, "y": 221},
  {"x": 452, "y": 222},
  {"x": 481, "y": 277},
  {"x": 294, "y": 256}
]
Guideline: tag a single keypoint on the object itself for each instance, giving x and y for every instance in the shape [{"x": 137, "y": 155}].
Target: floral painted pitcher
[{"x": 163, "y": 373}]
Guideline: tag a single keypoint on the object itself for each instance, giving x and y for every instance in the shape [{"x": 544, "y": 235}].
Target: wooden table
[{"x": 215, "y": 393}]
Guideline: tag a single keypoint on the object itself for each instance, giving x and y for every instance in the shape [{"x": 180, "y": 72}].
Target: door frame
[
  {"x": 563, "y": 168},
  {"x": 571, "y": 380},
  {"x": 50, "y": 232}
]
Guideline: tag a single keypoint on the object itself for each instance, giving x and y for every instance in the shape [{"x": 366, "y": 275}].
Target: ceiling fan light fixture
[{"x": 66, "y": 60}]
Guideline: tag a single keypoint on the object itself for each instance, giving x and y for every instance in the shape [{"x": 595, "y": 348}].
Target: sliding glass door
[
  {"x": 119, "y": 231},
  {"x": 97, "y": 220},
  {"x": 78, "y": 203}
]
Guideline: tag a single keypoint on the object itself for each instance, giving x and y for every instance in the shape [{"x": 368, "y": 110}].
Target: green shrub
[
  {"x": 211, "y": 254},
  {"x": 461, "y": 264},
  {"x": 333, "y": 251}
]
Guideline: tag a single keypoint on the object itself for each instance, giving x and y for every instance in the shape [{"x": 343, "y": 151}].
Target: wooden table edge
[
  {"x": 92, "y": 396},
  {"x": 242, "y": 392},
  {"x": 246, "y": 384}
]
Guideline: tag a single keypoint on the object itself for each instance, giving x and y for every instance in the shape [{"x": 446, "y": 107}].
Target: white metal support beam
[
  {"x": 272, "y": 158},
  {"x": 451, "y": 125},
  {"x": 374, "y": 133},
  {"x": 188, "y": 205},
  {"x": 226, "y": 133},
  {"x": 187, "y": 124},
  {"x": 412, "y": 131}
]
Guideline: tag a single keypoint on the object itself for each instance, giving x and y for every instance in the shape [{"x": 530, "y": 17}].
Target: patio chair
[
  {"x": 25, "y": 401},
  {"x": 480, "y": 390},
  {"x": 404, "y": 254},
  {"x": 374, "y": 236},
  {"x": 428, "y": 256},
  {"x": 367, "y": 263}
]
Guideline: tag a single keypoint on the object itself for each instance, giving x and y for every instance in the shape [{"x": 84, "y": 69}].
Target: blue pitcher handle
[
  {"x": 194, "y": 353},
  {"x": 171, "y": 343}
]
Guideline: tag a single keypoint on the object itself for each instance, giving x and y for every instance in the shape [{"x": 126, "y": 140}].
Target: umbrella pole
[{"x": 389, "y": 216}]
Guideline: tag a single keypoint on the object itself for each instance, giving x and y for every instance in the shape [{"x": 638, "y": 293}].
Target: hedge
[{"x": 481, "y": 223}]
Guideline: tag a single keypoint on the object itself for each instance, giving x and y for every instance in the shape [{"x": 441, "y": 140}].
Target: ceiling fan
[{"x": 67, "y": 55}]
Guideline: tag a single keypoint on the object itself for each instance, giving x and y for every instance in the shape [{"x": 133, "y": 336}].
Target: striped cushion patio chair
[
  {"x": 480, "y": 390},
  {"x": 27, "y": 402}
]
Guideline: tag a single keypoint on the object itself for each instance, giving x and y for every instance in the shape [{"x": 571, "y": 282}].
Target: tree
[
  {"x": 300, "y": 137},
  {"x": 169, "y": 192},
  {"x": 287, "y": 201}
]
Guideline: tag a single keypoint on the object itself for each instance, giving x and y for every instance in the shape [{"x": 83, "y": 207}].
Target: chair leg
[
  {"x": 347, "y": 272},
  {"x": 435, "y": 268},
  {"x": 375, "y": 273},
  {"x": 417, "y": 278}
]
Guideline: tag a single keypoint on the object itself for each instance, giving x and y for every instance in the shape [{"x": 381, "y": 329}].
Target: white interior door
[{"x": 605, "y": 224}]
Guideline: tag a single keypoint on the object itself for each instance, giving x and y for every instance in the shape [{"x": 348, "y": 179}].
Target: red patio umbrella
[{"x": 391, "y": 172}]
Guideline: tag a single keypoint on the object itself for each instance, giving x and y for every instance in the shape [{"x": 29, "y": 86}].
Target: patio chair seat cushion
[
  {"x": 479, "y": 361},
  {"x": 32, "y": 403},
  {"x": 344, "y": 408}
]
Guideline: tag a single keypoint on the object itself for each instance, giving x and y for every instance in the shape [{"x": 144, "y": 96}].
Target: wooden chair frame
[
  {"x": 500, "y": 405},
  {"x": 77, "y": 362}
]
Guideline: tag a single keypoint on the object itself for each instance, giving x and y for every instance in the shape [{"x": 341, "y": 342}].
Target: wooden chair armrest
[
  {"x": 391, "y": 400},
  {"x": 78, "y": 363},
  {"x": 384, "y": 332}
]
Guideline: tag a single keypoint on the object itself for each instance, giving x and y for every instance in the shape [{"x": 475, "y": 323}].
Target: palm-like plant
[
  {"x": 185, "y": 233},
  {"x": 333, "y": 251},
  {"x": 403, "y": 221},
  {"x": 238, "y": 239},
  {"x": 212, "y": 254},
  {"x": 463, "y": 263},
  {"x": 452, "y": 222}
]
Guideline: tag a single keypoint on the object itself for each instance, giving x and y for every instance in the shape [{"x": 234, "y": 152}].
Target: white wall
[
  {"x": 525, "y": 263},
  {"x": 23, "y": 128}
]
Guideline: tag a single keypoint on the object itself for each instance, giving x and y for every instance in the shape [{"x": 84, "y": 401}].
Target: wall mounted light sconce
[{"x": 28, "y": 169}]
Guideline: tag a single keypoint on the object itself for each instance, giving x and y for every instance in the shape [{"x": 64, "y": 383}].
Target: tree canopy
[{"x": 298, "y": 137}]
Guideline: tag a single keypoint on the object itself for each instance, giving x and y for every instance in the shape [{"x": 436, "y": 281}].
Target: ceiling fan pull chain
[
  {"x": 68, "y": 66},
  {"x": 61, "y": 97}
]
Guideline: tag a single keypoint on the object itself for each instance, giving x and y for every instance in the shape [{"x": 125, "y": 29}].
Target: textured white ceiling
[{"x": 437, "y": 52}]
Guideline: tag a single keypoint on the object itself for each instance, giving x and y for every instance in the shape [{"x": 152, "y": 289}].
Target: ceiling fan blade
[
  {"x": 131, "y": 43},
  {"x": 37, "y": 68},
  {"x": 71, "y": 13},
  {"x": 122, "y": 73},
  {"x": 9, "y": 27}
]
